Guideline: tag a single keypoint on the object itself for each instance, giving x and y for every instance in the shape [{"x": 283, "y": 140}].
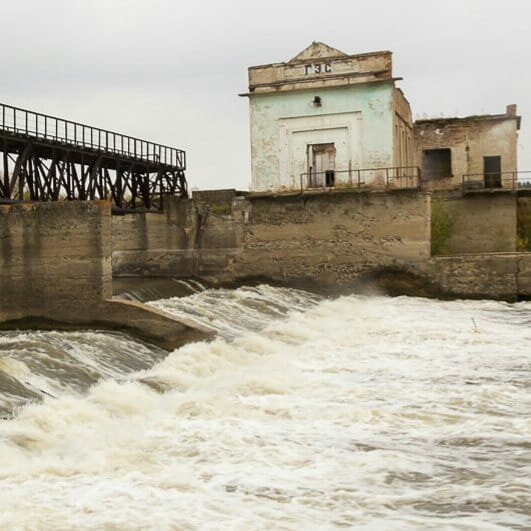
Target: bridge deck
[
  {"x": 45, "y": 148},
  {"x": 48, "y": 158}
]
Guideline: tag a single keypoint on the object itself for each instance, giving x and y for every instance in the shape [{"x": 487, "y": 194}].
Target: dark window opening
[
  {"x": 492, "y": 172},
  {"x": 436, "y": 163},
  {"x": 330, "y": 178}
]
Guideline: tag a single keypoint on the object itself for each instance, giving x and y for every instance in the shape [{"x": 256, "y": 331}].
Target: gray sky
[{"x": 170, "y": 71}]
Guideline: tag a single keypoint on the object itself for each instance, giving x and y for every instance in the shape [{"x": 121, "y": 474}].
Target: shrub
[
  {"x": 523, "y": 224},
  {"x": 220, "y": 208},
  {"x": 442, "y": 226}
]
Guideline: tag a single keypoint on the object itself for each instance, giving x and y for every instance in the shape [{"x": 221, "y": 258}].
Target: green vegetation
[
  {"x": 523, "y": 228},
  {"x": 442, "y": 226},
  {"x": 220, "y": 208}
]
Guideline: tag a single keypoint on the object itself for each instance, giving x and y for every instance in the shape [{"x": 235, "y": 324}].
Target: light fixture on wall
[{"x": 317, "y": 101}]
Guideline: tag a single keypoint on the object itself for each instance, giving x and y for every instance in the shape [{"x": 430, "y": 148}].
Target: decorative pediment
[{"x": 317, "y": 50}]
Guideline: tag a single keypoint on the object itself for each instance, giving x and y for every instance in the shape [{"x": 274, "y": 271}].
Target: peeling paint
[{"x": 325, "y": 97}]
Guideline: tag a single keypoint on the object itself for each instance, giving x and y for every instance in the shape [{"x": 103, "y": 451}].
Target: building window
[
  {"x": 492, "y": 172},
  {"x": 436, "y": 163},
  {"x": 321, "y": 165}
]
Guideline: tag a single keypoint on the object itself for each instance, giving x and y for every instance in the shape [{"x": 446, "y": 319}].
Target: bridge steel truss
[{"x": 44, "y": 158}]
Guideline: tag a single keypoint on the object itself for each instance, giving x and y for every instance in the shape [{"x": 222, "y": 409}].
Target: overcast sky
[{"x": 170, "y": 71}]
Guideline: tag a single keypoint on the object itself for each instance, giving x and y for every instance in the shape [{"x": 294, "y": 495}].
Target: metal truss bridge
[{"x": 45, "y": 158}]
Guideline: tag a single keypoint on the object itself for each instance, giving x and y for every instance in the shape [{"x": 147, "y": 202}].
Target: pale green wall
[{"x": 374, "y": 101}]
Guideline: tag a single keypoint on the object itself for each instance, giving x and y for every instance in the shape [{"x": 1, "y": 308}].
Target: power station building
[
  {"x": 326, "y": 119},
  {"x": 478, "y": 150}
]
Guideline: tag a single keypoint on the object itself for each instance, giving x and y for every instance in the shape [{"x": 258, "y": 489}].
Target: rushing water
[{"x": 305, "y": 413}]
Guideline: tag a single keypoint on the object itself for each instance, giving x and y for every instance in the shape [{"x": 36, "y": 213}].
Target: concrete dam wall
[
  {"x": 57, "y": 260},
  {"x": 329, "y": 239},
  {"x": 55, "y": 272},
  {"x": 325, "y": 239}
]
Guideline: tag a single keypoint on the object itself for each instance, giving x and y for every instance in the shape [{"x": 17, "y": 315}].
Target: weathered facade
[
  {"x": 478, "y": 151},
  {"x": 480, "y": 223},
  {"x": 327, "y": 119},
  {"x": 320, "y": 118}
]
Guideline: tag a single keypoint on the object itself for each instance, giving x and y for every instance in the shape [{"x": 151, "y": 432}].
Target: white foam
[{"x": 368, "y": 413}]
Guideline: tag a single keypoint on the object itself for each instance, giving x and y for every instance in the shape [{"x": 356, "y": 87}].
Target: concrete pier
[{"x": 55, "y": 273}]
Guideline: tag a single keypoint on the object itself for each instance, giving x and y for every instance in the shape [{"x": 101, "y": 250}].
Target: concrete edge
[{"x": 133, "y": 318}]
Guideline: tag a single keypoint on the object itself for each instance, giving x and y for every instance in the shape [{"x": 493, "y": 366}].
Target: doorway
[
  {"x": 321, "y": 165},
  {"x": 492, "y": 172}
]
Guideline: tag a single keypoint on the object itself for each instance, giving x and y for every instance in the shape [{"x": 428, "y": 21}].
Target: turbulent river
[{"x": 305, "y": 413}]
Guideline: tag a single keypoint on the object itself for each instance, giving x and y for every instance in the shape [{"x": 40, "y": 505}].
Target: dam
[
  {"x": 347, "y": 191},
  {"x": 344, "y": 345}
]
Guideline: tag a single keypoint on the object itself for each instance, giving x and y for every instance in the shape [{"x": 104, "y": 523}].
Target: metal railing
[
  {"x": 507, "y": 180},
  {"x": 57, "y": 130},
  {"x": 395, "y": 177}
]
